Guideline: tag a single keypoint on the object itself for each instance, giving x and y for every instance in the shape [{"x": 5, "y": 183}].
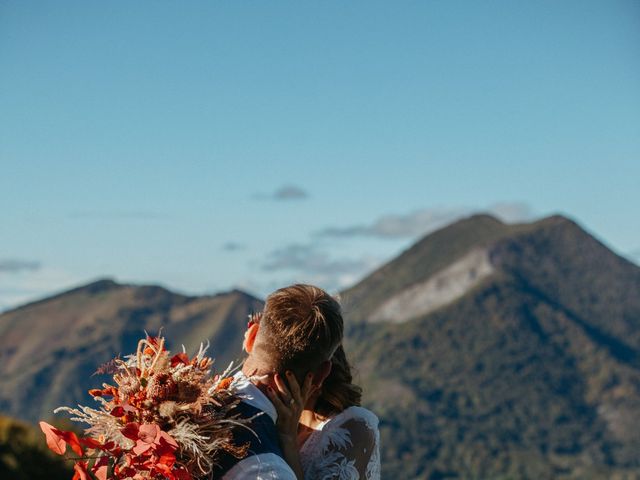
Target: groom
[{"x": 299, "y": 330}]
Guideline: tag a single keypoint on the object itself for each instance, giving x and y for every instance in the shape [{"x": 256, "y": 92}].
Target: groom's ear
[{"x": 250, "y": 337}]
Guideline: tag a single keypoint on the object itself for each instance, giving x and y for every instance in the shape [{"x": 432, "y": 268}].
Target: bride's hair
[{"x": 338, "y": 391}]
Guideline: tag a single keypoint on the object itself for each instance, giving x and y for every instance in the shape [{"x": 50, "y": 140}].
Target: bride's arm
[
  {"x": 351, "y": 452},
  {"x": 289, "y": 405}
]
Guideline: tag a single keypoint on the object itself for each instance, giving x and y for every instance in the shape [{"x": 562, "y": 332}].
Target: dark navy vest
[{"x": 262, "y": 438}]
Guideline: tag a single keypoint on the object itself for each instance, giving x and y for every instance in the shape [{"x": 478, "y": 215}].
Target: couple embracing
[{"x": 296, "y": 386}]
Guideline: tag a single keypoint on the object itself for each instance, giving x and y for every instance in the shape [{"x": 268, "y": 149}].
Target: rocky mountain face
[{"x": 488, "y": 350}]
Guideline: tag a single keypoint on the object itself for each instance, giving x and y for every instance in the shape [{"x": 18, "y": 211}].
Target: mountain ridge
[
  {"x": 538, "y": 357},
  {"x": 46, "y": 346},
  {"x": 533, "y": 371}
]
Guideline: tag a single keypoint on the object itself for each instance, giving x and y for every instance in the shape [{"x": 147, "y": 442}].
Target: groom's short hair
[{"x": 301, "y": 327}]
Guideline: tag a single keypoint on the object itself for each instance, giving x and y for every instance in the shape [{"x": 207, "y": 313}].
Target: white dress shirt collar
[{"x": 252, "y": 395}]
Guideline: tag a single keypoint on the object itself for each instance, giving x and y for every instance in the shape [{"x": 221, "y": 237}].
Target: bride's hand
[{"x": 289, "y": 403}]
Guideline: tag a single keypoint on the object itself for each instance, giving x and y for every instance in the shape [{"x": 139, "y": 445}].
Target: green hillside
[
  {"x": 533, "y": 373},
  {"x": 24, "y": 455}
]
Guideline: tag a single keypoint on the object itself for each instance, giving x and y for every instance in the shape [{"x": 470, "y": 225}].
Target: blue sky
[{"x": 208, "y": 145}]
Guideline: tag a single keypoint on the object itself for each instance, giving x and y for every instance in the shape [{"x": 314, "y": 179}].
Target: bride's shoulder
[
  {"x": 358, "y": 414},
  {"x": 346, "y": 446}
]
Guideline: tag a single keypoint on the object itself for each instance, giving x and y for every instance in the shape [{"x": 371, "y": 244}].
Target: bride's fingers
[
  {"x": 307, "y": 387},
  {"x": 275, "y": 399},
  {"x": 282, "y": 388},
  {"x": 294, "y": 386}
]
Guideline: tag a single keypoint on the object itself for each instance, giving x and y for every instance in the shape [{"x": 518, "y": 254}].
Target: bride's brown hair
[{"x": 338, "y": 390}]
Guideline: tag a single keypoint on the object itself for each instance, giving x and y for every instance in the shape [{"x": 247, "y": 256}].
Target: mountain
[
  {"x": 49, "y": 349},
  {"x": 502, "y": 351},
  {"x": 489, "y": 351}
]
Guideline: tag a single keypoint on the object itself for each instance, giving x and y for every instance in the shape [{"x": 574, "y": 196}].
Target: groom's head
[{"x": 299, "y": 330}]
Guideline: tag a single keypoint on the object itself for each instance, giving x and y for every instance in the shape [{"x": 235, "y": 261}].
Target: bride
[{"x": 324, "y": 432}]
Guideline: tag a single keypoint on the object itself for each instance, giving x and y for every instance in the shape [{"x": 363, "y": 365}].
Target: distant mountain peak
[
  {"x": 481, "y": 217},
  {"x": 446, "y": 264},
  {"x": 556, "y": 219},
  {"x": 98, "y": 286},
  {"x": 238, "y": 291},
  {"x": 95, "y": 287}
]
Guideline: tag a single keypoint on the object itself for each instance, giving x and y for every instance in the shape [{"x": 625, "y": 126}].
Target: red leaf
[
  {"x": 118, "y": 411},
  {"x": 128, "y": 407},
  {"x": 54, "y": 441},
  {"x": 100, "y": 468},
  {"x": 73, "y": 441},
  {"x": 168, "y": 440},
  {"x": 91, "y": 443},
  {"x": 113, "y": 449},
  {"x": 167, "y": 459},
  {"x": 163, "y": 470},
  {"x": 182, "y": 474},
  {"x": 130, "y": 430},
  {"x": 81, "y": 473},
  {"x": 101, "y": 472},
  {"x": 141, "y": 447},
  {"x": 179, "y": 358},
  {"x": 149, "y": 432}
]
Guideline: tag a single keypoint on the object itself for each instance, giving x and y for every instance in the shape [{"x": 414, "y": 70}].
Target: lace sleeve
[{"x": 350, "y": 451}]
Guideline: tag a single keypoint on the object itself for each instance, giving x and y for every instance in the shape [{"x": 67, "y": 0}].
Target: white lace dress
[{"x": 345, "y": 447}]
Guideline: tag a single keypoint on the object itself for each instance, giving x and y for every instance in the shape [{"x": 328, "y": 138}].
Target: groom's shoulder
[
  {"x": 264, "y": 456},
  {"x": 261, "y": 434}
]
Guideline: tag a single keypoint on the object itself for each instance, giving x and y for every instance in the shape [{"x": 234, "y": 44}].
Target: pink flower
[{"x": 149, "y": 436}]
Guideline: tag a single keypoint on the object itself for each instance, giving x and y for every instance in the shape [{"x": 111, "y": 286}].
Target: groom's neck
[
  {"x": 260, "y": 376},
  {"x": 252, "y": 367}
]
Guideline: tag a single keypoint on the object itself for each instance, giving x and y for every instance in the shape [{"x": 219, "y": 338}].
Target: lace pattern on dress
[{"x": 330, "y": 454}]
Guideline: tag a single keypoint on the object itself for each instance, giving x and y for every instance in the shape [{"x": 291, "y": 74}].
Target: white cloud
[
  {"x": 284, "y": 193},
  {"x": 313, "y": 262},
  {"x": 308, "y": 263},
  {"x": 309, "y": 258},
  {"x": 25, "y": 286},
  {"x": 233, "y": 246},
  {"x": 421, "y": 222},
  {"x": 14, "y": 265}
]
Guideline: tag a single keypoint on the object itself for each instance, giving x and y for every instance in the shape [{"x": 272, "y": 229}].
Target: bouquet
[{"x": 164, "y": 417}]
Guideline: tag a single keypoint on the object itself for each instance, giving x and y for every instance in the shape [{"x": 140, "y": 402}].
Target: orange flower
[
  {"x": 179, "y": 358},
  {"x": 224, "y": 383},
  {"x": 111, "y": 391}
]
